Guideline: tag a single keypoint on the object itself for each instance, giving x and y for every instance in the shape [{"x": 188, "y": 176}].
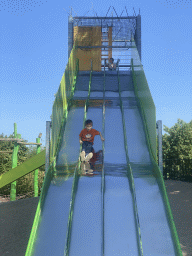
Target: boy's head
[
  {"x": 111, "y": 60},
  {"x": 88, "y": 124}
]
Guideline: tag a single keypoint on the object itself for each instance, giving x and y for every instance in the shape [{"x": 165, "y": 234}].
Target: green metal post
[
  {"x": 14, "y": 163},
  {"x": 36, "y": 171}
]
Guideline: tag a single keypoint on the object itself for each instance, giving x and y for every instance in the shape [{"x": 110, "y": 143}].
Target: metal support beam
[
  {"x": 29, "y": 143},
  {"x": 104, "y": 18},
  {"x": 11, "y": 139},
  {"x": 123, "y": 66},
  {"x": 6, "y": 151},
  {"x": 138, "y": 34},
  {"x": 106, "y": 46},
  {"x": 47, "y": 156},
  {"x": 160, "y": 153}
]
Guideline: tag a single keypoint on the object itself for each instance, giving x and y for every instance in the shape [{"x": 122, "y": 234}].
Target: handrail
[
  {"x": 130, "y": 177},
  {"x": 75, "y": 181}
]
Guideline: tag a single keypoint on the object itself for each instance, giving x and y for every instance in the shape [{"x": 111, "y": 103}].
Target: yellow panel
[
  {"x": 75, "y": 32},
  {"x": 96, "y": 53},
  {"x": 88, "y": 36},
  {"x": 110, "y": 41}
]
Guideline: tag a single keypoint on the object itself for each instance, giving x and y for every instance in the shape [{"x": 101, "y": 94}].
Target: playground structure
[
  {"x": 22, "y": 170},
  {"x": 101, "y": 38},
  {"x": 88, "y": 90}
]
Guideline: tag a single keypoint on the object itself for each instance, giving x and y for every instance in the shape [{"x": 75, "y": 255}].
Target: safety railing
[{"x": 62, "y": 100}]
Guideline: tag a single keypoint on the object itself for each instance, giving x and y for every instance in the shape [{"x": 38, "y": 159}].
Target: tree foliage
[
  {"x": 177, "y": 144},
  {"x": 177, "y": 148}
]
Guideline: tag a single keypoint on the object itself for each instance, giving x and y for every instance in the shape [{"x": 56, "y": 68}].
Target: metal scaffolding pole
[
  {"x": 70, "y": 34},
  {"x": 138, "y": 34}
]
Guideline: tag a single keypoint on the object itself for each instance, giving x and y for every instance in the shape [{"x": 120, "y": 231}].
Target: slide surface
[{"x": 104, "y": 224}]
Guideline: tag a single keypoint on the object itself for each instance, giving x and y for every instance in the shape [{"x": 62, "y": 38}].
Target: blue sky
[{"x": 34, "y": 55}]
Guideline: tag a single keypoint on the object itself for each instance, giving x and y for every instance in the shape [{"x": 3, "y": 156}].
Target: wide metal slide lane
[
  {"x": 52, "y": 229},
  {"x": 86, "y": 233},
  {"x": 155, "y": 230},
  {"x": 120, "y": 231}
]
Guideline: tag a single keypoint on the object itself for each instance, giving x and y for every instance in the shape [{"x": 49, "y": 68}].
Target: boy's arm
[
  {"x": 80, "y": 139},
  {"x": 101, "y": 136},
  {"x": 117, "y": 64}
]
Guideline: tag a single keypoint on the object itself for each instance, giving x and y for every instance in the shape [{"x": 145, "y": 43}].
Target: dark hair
[
  {"x": 112, "y": 59},
  {"x": 88, "y": 122}
]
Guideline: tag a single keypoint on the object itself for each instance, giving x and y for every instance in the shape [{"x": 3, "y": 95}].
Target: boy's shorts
[{"x": 87, "y": 147}]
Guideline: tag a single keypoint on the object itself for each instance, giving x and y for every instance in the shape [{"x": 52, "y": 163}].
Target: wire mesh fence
[{"x": 116, "y": 34}]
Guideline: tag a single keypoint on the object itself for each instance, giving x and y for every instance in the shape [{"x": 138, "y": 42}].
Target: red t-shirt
[{"x": 88, "y": 135}]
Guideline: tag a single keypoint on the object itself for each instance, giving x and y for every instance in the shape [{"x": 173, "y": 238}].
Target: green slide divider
[
  {"x": 147, "y": 111},
  {"x": 28, "y": 166},
  {"x": 130, "y": 178},
  {"x": 75, "y": 182},
  {"x": 103, "y": 174}
]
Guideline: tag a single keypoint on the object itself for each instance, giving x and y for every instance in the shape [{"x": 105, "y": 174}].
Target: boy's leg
[
  {"x": 82, "y": 154},
  {"x": 83, "y": 146},
  {"x": 89, "y": 150},
  {"x": 88, "y": 157}
]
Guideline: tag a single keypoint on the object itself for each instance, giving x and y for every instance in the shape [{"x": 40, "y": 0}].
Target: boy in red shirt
[{"x": 86, "y": 137}]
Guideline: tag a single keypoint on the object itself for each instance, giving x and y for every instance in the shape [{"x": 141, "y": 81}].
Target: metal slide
[{"x": 105, "y": 222}]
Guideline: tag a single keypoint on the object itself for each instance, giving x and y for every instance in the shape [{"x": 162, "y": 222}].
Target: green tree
[
  {"x": 157, "y": 148},
  {"x": 177, "y": 147}
]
